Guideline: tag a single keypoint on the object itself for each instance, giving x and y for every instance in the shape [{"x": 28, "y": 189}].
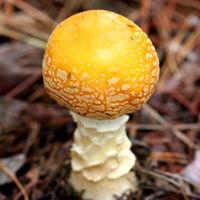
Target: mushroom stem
[{"x": 101, "y": 158}]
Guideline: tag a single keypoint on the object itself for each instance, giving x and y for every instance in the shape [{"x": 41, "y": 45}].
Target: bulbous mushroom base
[
  {"x": 106, "y": 189},
  {"x": 101, "y": 158}
]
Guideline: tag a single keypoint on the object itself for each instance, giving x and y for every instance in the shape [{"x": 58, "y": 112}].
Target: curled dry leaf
[{"x": 192, "y": 171}]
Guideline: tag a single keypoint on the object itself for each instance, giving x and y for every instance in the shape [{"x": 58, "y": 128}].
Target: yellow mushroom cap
[{"x": 100, "y": 65}]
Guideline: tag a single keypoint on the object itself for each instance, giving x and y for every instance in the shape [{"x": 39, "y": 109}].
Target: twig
[
  {"x": 166, "y": 190},
  {"x": 160, "y": 127},
  {"x": 33, "y": 12},
  {"x": 189, "y": 44},
  {"x": 178, "y": 177},
  {"x": 22, "y": 23},
  {"x": 148, "y": 109},
  {"x": 169, "y": 157},
  {"x": 154, "y": 174},
  {"x": 14, "y": 179},
  {"x": 35, "y": 127},
  {"x": 20, "y": 36},
  {"x": 22, "y": 86}
]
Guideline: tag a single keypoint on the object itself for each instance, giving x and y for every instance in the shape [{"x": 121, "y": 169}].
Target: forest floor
[{"x": 36, "y": 134}]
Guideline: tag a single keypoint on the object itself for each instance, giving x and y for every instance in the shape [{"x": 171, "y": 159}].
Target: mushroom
[{"x": 101, "y": 66}]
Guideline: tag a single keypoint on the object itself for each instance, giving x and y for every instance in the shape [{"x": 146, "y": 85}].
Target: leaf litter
[{"x": 36, "y": 134}]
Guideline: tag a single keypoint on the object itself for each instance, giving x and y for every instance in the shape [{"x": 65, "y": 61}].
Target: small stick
[
  {"x": 148, "y": 109},
  {"x": 160, "y": 127},
  {"x": 22, "y": 86},
  {"x": 33, "y": 12},
  {"x": 22, "y": 37},
  {"x": 14, "y": 179}
]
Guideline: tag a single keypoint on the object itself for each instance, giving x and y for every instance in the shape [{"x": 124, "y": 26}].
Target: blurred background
[{"x": 36, "y": 134}]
